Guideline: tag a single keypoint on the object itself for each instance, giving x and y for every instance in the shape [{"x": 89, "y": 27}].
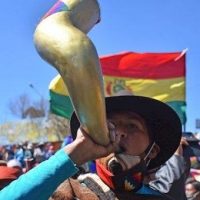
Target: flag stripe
[
  {"x": 161, "y": 89},
  {"x": 60, "y": 104},
  {"x": 57, "y": 85},
  {"x": 144, "y": 65},
  {"x": 180, "y": 109}
]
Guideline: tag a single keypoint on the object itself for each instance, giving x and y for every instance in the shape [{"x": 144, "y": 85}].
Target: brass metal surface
[{"x": 61, "y": 40}]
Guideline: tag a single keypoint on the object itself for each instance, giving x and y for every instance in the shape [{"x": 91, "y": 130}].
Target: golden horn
[{"x": 60, "y": 39}]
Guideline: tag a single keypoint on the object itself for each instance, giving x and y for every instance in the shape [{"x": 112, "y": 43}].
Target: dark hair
[
  {"x": 196, "y": 185},
  {"x": 190, "y": 179}
]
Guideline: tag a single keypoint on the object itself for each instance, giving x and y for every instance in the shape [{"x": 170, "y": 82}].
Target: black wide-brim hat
[{"x": 161, "y": 120}]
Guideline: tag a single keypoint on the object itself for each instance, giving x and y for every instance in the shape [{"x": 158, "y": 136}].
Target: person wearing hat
[
  {"x": 145, "y": 144},
  {"x": 150, "y": 133},
  {"x": 145, "y": 134},
  {"x": 170, "y": 178}
]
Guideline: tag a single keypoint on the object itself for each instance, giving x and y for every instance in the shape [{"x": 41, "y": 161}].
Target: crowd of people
[
  {"x": 24, "y": 156},
  {"x": 17, "y": 159},
  {"x": 142, "y": 161}
]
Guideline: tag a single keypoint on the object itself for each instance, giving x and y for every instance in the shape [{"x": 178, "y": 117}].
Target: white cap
[
  {"x": 29, "y": 146},
  {"x": 14, "y": 163}
]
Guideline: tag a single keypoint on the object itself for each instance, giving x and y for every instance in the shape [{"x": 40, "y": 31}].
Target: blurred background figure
[
  {"x": 8, "y": 154},
  {"x": 19, "y": 154},
  {"x": 192, "y": 190},
  {"x": 29, "y": 151},
  {"x": 39, "y": 153},
  {"x": 3, "y": 163},
  {"x": 50, "y": 151},
  {"x": 9, "y": 172},
  {"x": 170, "y": 178},
  {"x": 67, "y": 140}
]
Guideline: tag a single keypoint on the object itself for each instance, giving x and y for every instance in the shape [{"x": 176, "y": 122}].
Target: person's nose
[
  {"x": 122, "y": 141},
  {"x": 122, "y": 134}
]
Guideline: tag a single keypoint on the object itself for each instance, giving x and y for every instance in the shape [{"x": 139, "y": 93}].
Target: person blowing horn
[
  {"x": 143, "y": 132},
  {"x": 61, "y": 40}
]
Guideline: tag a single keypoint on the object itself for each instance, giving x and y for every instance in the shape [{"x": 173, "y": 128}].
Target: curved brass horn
[{"x": 60, "y": 39}]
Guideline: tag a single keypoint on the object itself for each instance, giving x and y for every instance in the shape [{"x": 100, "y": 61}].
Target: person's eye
[{"x": 132, "y": 126}]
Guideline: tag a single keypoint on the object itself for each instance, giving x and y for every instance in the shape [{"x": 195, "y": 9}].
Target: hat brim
[{"x": 161, "y": 120}]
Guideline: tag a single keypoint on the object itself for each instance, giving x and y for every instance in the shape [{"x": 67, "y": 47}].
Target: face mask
[
  {"x": 127, "y": 175},
  {"x": 122, "y": 161},
  {"x": 190, "y": 196},
  {"x": 130, "y": 180}
]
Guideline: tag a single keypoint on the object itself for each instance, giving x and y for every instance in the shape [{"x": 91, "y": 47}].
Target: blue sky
[{"x": 127, "y": 25}]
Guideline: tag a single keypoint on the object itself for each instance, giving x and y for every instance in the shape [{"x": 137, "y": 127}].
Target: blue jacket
[{"x": 41, "y": 181}]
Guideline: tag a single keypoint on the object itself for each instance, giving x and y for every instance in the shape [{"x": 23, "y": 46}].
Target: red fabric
[
  {"x": 144, "y": 65},
  {"x": 9, "y": 172},
  {"x": 104, "y": 174}
]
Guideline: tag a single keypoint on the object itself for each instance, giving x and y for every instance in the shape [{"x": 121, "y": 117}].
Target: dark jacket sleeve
[{"x": 170, "y": 178}]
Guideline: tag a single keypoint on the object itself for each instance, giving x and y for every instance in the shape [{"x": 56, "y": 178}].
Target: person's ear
[{"x": 154, "y": 152}]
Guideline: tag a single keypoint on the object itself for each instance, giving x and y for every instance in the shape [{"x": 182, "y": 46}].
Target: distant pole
[
  {"x": 35, "y": 90},
  {"x": 41, "y": 110},
  {"x": 197, "y": 123},
  {"x": 184, "y": 127}
]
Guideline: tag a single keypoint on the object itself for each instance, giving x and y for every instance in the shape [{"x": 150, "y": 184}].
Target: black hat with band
[{"x": 161, "y": 120}]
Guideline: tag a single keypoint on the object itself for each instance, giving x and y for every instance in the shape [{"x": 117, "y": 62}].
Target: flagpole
[
  {"x": 35, "y": 90},
  {"x": 184, "y": 127}
]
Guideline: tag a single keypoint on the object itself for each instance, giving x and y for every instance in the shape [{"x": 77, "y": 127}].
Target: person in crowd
[
  {"x": 3, "y": 153},
  {"x": 3, "y": 163},
  {"x": 9, "y": 153},
  {"x": 144, "y": 134},
  {"x": 67, "y": 140},
  {"x": 170, "y": 178},
  {"x": 14, "y": 163},
  {"x": 9, "y": 172},
  {"x": 39, "y": 153},
  {"x": 120, "y": 175},
  {"x": 50, "y": 151},
  {"x": 19, "y": 154},
  {"x": 192, "y": 189},
  {"x": 28, "y": 154}
]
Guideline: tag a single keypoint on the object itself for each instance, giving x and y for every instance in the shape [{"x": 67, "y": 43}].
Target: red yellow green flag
[{"x": 156, "y": 75}]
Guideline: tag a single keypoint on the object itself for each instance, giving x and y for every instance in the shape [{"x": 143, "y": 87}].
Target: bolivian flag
[{"x": 156, "y": 75}]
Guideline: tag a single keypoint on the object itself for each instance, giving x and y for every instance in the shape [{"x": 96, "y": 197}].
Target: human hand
[
  {"x": 183, "y": 143},
  {"x": 84, "y": 148}
]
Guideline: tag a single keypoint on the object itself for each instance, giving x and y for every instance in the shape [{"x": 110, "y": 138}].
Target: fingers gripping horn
[{"x": 60, "y": 39}]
